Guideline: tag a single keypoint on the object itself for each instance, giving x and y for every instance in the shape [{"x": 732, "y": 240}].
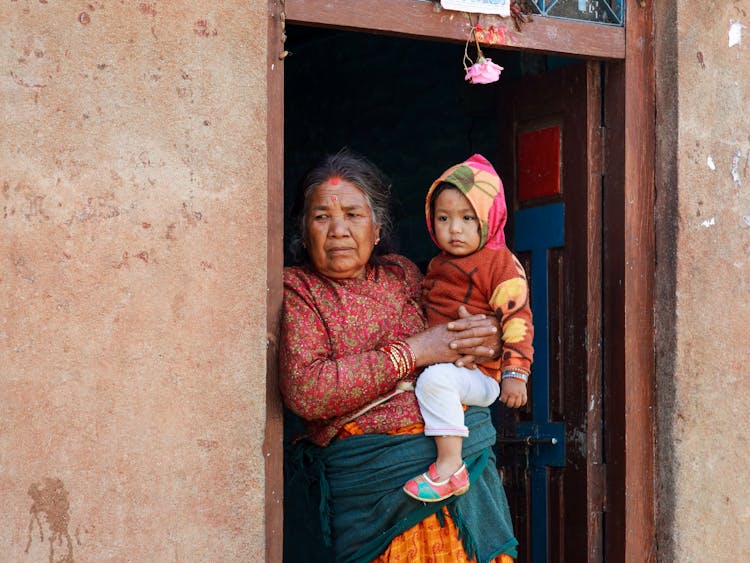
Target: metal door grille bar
[{"x": 613, "y": 11}]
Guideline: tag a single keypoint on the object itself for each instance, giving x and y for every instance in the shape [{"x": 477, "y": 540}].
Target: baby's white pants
[{"x": 441, "y": 390}]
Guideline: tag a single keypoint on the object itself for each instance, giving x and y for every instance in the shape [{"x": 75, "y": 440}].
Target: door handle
[{"x": 527, "y": 441}]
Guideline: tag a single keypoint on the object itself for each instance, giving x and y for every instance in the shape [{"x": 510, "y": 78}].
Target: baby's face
[{"x": 456, "y": 225}]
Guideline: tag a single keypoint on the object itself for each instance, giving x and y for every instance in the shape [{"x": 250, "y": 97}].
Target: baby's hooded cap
[{"x": 481, "y": 184}]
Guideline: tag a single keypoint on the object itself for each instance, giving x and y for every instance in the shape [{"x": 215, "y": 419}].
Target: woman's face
[{"x": 340, "y": 231}]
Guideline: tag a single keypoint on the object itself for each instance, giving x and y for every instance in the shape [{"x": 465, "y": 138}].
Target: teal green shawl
[{"x": 362, "y": 506}]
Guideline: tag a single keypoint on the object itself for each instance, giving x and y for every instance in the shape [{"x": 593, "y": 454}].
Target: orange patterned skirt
[{"x": 428, "y": 541}]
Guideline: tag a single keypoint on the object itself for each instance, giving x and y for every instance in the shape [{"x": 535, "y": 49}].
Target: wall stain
[
  {"x": 735, "y": 168},
  {"x": 122, "y": 262},
  {"x": 201, "y": 29},
  {"x": 99, "y": 207},
  {"x": 22, "y": 82},
  {"x": 185, "y": 90},
  {"x": 178, "y": 306},
  {"x": 147, "y": 9},
  {"x": 22, "y": 269},
  {"x": 207, "y": 444},
  {"x": 192, "y": 217},
  {"x": 25, "y": 200},
  {"x": 34, "y": 204},
  {"x": 51, "y": 500},
  {"x": 125, "y": 259}
]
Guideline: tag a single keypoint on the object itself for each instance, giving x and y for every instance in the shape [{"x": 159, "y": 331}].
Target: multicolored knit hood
[{"x": 478, "y": 181}]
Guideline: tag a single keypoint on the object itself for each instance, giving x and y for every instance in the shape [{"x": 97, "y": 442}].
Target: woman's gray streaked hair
[{"x": 359, "y": 171}]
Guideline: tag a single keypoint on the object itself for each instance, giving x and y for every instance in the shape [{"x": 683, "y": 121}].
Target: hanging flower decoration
[{"x": 483, "y": 71}]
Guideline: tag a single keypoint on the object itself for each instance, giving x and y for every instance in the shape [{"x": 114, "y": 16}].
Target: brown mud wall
[
  {"x": 132, "y": 280},
  {"x": 703, "y": 280}
]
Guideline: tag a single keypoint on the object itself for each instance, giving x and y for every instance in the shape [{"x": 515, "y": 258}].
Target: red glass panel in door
[{"x": 539, "y": 163}]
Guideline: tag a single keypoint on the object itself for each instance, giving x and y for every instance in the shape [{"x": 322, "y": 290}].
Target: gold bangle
[
  {"x": 407, "y": 354},
  {"x": 397, "y": 361},
  {"x": 402, "y": 357}
]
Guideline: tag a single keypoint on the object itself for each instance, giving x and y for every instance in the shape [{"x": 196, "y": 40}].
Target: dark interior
[{"x": 402, "y": 103}]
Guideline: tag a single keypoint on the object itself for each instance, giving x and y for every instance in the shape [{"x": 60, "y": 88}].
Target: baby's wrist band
[{"x": 515, "y": 374}]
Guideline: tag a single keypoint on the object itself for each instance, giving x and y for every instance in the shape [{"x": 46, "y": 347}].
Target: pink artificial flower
[{"x": 483, "y": 71}]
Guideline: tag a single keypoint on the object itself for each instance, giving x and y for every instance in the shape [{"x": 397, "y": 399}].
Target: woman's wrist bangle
[
  {"x": 412, "y": 357},
  {"x": 401, "y": 356}
]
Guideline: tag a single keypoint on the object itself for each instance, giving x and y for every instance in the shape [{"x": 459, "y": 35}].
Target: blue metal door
[
  {"x": 537, "y": 230},
  {"x": 550, "y": 452}
]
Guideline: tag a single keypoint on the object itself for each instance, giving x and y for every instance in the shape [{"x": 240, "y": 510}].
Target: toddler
[{"x": 466, "y": 213}]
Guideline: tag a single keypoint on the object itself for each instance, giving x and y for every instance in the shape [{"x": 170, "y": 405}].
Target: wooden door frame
[{"x": 628, "y": 269}]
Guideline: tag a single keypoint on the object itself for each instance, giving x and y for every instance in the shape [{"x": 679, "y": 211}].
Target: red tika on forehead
[{"x": 334, "y": 180}]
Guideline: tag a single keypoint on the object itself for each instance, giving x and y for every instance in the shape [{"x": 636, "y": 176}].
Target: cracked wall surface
[{"x": 132, "y": 280}]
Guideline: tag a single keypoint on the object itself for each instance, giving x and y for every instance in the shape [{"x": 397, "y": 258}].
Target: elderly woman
[{"x": 353, "y": 341}]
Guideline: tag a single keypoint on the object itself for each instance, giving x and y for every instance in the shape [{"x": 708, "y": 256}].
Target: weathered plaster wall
[
  {"x": 132, "y": 280},
  {"x": 703, "y": 316}
]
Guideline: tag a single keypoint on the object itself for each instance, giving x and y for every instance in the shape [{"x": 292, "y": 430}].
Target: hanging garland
[{"x": 483, "y": 70}]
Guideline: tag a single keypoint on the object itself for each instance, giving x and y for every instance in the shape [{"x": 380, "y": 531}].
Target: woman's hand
[
  {"x": 467, "y": 339},
  {"x": 432, "y": 346},
  {"x": 476, "y": 338}
]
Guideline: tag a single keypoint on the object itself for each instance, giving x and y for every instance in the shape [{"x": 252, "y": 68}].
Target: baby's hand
[
  {"x": 513, "y": 393},
  {"x": 467, "y": 362}
]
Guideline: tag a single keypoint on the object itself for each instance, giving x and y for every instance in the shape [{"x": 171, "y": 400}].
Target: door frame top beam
[{"x": 409, "y": 18}]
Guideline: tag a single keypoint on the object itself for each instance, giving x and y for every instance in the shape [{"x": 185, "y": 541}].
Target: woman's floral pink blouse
[{"x": 331, "y": 334}]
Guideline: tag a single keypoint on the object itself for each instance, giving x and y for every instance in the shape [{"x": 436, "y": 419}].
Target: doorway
[
  {"x": 628, "y": 143},
  {"x": 404, "y": 104}
]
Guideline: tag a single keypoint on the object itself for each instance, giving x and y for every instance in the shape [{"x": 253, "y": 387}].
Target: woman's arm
[{"x": 313, "y": 385}]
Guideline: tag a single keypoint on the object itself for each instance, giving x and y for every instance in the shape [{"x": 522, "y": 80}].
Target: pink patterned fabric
[
  {"x": 329, "y": 356},
  {"x": 481, "y": 184}
]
